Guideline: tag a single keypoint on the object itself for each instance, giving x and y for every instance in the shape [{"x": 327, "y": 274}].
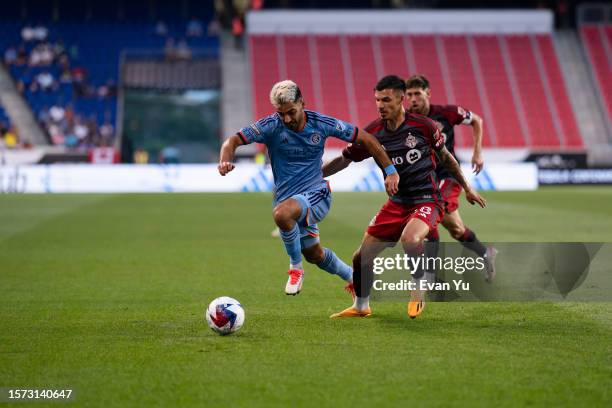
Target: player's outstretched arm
[
  {"x": 451, "y": 164},
  {"x": 226, "y": 156},
  {"x": 335, "y": 165},
  {"x": 477, "y": 160},
  {"x": 376, "y": 150}
]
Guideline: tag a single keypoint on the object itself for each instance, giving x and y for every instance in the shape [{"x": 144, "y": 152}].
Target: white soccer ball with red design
[{"x": 225, "y": 315}]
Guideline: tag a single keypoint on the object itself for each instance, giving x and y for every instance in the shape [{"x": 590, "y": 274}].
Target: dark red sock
[{"x": 469, "y": 240}]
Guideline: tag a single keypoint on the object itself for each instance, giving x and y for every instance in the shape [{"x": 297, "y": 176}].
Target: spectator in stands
[
  {"x": 161, "y": 29},
  {"x": 27, "y": 33},
  {"x": 38, "y": 33},
  {"x": 238, "y": 30},
  {"x": 45, "y": 81},
  {"x": 239, "y": 10},
  {"x": 141, "y": 156},
  {"x": 194, "y": 28},
  {"x": 182, "y": 51},
  {"x": 214, "y": 28},
  {"x": 107, "y": 131},
  {"x": 22, "y": 56},
  {"x": 170, "y": 50},
  {"x": 170, "y": 155},
  {"x": 108, "y": 90},
  {"x": 57, "y": 113},
  {"x": 10, "y": 139},
  {"x": 71, "y": 141},
  {"x": 223, "y": 11},
  {"x": 81, "y": 130},
  {"x": 59, "y": 48},
  {"x": 43, "y": 115},
  {"x": 10, "y": 56}
]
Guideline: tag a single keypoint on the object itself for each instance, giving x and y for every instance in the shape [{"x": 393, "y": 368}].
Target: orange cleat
[
  {"x": 415, "y": 308},
  {"x": 352, "y": 312}
]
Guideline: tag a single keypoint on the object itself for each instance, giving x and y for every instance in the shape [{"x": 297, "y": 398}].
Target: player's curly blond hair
[{"x": 284, "y": 92}]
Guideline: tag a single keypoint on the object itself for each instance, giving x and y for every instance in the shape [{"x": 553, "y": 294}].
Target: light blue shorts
[{"x": 315, "y": 206}]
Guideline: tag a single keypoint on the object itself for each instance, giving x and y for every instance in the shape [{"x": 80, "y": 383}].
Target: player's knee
[
  {"x": 314, "y": 255},
  {"x": 281, "y": 215},
  {"x": 410, "y": 241},
  {"x": 456, "y": 231}
]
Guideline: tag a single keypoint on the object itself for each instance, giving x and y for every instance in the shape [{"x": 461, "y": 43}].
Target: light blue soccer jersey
[{"x": 296, "y": 157}]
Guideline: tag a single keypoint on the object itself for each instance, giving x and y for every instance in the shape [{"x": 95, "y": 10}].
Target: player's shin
[
  {"x": 363, "y": 276},
  {"x": 291, "y": 239},
  {"x": 332, "y": 264},
  {"x": 432, "y": 247}
]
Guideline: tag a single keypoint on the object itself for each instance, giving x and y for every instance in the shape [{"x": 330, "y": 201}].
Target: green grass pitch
[{"x": 105, "y": 294}]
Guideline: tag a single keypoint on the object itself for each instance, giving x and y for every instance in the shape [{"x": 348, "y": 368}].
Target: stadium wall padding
[{"x": 127, "y": 178}]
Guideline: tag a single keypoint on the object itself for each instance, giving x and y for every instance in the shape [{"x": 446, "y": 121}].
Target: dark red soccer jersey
[
  {"x": 411, "y": 148},
  {"x": 446, "y": 118}
]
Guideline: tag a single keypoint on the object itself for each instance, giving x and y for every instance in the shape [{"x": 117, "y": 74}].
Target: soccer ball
[{"x": 225, "y": 315}]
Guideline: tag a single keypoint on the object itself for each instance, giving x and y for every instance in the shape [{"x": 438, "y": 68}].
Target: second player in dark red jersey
[
  {"x": 446, "y": 118},
  {"x": 415, "y": 145}
]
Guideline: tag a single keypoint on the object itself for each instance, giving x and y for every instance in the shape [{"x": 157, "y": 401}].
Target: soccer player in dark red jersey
[
  {"x": 446, "y": 117},
  {"x": 411, "y": 141}
]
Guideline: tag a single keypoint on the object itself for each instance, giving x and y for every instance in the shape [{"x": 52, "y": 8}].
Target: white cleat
[
  {"x": 490, "y": 264},
  {"x": 294, "y": 283}
]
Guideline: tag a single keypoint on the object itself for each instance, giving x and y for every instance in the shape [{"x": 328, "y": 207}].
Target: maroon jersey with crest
[
  {"x": 446, "y": 118},
  {"x": 412, "y": 148}
]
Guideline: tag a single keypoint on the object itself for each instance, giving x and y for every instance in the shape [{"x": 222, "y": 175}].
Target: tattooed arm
[{"x": 448, "y": 161}]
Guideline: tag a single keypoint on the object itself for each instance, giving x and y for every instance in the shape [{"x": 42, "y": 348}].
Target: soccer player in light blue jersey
[{"x": 295, "y": 139}]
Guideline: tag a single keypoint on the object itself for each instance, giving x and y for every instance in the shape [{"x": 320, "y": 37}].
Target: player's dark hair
[
  {"x": 391, "y": 82},
  {"x": 298, "y": 94},
  {"x": 417, "y": 81}
]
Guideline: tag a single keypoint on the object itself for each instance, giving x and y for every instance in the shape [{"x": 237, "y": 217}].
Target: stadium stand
[
  {"x": 69, "y": 76},
  {"x": 494, "y": 71},
  {"x": 597, "y": 40}
]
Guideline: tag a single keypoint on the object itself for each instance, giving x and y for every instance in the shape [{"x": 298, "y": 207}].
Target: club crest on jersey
[
  {"x": 315, "y": 138},
  {"x": 411, "y": 141}
]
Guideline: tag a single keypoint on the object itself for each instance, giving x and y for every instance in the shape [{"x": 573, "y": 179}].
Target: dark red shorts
[
  {"x": 390, "y": 221},
  {"x": 451, "y": 191}
]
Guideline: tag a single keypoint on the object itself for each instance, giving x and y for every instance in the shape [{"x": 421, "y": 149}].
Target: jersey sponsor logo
[
  {"x": 299, "y": 154},
  {"x": 413, "y": 156},
  {"x": 411, "y": 141},
  {"x": 315, "y": 138}
]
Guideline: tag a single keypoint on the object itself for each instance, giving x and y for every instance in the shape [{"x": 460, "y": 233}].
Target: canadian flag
[{"x": 103, "y": 155}]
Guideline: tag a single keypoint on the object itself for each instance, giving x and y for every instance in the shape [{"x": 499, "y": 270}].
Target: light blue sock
[
  {"x": 332, "y": 264},
  {"x": 291, "y": 239}
]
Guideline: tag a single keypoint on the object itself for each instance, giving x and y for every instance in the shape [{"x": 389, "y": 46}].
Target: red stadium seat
[{"x": 513, "y": 81}]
